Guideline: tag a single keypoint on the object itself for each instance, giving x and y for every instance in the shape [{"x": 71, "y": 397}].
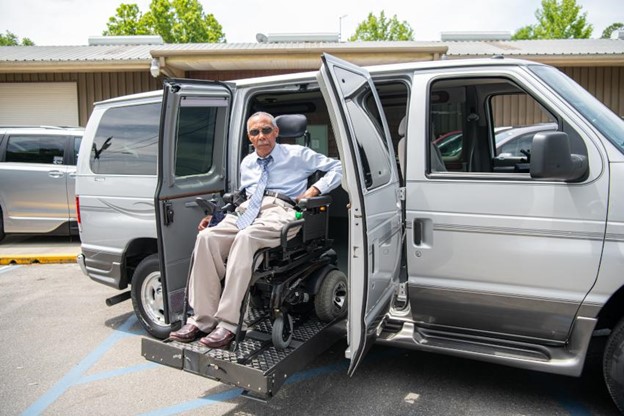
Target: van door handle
[
  {"x": 55, "y": 174},
  {"x": 418, "y": 231}
]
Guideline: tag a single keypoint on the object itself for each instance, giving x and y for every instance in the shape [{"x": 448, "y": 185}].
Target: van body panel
[
  {"x": 519, "y": 255},
  {"x": 612, "y": 264},
  {"x": 375, "y": 234}
]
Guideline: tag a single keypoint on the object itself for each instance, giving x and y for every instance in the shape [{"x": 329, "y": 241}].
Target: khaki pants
[{"x": 224, "y": 242}]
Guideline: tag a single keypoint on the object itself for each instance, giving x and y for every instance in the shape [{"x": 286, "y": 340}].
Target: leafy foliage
[
  {"x": 606, "y": 34},
  {"x": 381, "y": 28},
  {"x": 10, "y": 39},
  {"x": 557, "y": 20},
  {"x": 176, "y": 21}
]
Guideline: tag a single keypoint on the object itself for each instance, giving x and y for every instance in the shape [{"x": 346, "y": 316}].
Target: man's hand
[
  {"x": 309, "y": 193},
  {"x": 204, "y": 222}
]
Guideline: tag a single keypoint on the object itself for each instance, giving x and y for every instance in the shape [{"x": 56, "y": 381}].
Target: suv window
[
  {"x": 126, "y": 141},
  {"x": 35, "y": 149}
]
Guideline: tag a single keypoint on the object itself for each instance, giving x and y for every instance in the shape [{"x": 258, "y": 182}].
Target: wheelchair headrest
[{"x": 291, "y": 125}]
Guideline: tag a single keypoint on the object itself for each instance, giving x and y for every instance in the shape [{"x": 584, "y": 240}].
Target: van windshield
[{"x": 600, "y": 116}]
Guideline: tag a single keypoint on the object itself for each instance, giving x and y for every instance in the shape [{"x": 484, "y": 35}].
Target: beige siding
[
  {"x": 94, "y": 87},
  {"x": 605, "y": 83}
]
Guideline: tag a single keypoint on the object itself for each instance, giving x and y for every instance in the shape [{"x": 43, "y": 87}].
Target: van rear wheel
[
  {"x": 613, "y": 365},
  {"x": 147, "y": 297},
  {"x": 1, "y": 226}
]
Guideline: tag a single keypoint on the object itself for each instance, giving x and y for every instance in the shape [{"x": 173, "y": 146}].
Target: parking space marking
[
  {"x": 116, "y": 373},
  {"x": 5, "y": 269},
  {"x": 75, "y": 374},
  {"x": 197, "y": 403}
]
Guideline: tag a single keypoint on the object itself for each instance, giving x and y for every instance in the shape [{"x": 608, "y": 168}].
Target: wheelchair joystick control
[{"x": 298, "y": 215}]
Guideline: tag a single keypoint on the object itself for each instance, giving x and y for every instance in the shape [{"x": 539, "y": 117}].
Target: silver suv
[{"x": 37, "y": 173}]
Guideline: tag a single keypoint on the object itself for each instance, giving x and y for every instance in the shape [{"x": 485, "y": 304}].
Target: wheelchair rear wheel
[
  {"x": 331, "y": 300},
  {"x": 282, "y": 331}
]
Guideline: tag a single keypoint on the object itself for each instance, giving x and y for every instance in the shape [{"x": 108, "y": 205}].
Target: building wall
[
  {"x": 93, "y": 87},
  {"x": 606, "y": 83}
]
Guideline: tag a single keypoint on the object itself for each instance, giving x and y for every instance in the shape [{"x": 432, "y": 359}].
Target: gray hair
[{"x": 263, "y": 114}]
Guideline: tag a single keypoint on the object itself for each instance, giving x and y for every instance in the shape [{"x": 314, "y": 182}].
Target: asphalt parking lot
[{"x": 65, "y": 353}]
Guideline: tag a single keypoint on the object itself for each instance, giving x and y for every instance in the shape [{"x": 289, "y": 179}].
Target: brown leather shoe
[
  {"x": 187, "y": 333},
  {"x": 218, "y": 338}
]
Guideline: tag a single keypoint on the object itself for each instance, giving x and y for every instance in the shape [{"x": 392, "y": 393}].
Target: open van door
[
  {"x": 371, "y": 178},
  {"x": 191, "y": 163}
]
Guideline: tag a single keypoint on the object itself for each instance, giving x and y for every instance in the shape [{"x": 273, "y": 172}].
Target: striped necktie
[{"x": 255, "y": 202}]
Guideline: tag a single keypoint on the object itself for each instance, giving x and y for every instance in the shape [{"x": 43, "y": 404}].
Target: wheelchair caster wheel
[{"x": 282, "y": 331}]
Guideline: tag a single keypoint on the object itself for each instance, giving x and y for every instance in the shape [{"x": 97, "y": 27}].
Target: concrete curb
[{"x": 37, "y": 259}]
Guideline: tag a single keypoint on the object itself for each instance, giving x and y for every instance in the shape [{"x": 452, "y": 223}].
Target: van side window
[
  {"x": 485, "y": 125},
  {"x": 195, "y": 139},
  {"x": 36, "y": 149},
  {"x": 126, "y": 141}
]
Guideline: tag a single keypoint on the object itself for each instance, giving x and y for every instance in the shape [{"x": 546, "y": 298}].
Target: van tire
[
  {"x": 613, "y": 365},
  {"x": 331, "y": 300},
  {"x": 2, "y": 234},
  {"x": 147, "y": 297}
]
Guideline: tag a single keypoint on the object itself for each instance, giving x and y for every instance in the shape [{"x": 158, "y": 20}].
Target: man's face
[{"x": 262, "y": 134}]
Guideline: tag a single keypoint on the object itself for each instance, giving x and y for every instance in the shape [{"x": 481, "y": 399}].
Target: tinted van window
[
  {"x": 35, "y": 149},
  {"x": 126, "y": 142}
]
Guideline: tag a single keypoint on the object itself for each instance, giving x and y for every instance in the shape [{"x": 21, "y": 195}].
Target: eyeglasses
[{"x": 264, "y": 130}]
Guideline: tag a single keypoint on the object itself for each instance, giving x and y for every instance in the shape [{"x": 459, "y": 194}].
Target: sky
[{"x": 72, "y": 22}]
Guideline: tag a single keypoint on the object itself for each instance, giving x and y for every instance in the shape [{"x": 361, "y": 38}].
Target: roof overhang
[{"x": 179, "y": 60}]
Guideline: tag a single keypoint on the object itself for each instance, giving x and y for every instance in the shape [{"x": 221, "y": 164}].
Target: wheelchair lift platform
[{"x": 255, "y": 365}]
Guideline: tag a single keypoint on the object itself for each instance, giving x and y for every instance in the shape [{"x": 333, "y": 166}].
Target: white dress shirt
[{"x": 289, "y": 171}]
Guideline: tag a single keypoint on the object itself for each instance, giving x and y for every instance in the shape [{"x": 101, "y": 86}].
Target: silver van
[
  {"x": 507, "y": 257},
  {"x": 37, "y": 171}
]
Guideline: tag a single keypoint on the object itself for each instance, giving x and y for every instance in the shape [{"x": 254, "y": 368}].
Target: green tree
[
  {"x": 606, "y": 34},
  {"x": 10, "y": 39},
  {"x": 381, "y": 28},
  {"x": 557, "y": 20},
  {"x": 128, "y": 21},
  {"x": 177, "y": 21}
]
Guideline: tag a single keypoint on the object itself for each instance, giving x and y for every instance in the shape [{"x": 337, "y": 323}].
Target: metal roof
[
  {"x": 81, "y": 53},
  {"x": 296, "y": 55},
  {"x": 561, "y": 52}
]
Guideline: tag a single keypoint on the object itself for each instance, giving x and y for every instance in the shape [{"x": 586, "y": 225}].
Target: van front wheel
[
  {"x": 147, "y": 297},
  {"x": 613, "y": 365}
]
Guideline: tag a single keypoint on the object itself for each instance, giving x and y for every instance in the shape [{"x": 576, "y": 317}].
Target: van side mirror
[{"x": 552, "y": 159}]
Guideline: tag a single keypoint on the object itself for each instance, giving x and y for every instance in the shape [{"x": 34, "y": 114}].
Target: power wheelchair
[{"x": 297, "y": 278}]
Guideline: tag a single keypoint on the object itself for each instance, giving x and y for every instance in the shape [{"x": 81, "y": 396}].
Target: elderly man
[{"x": 269, "y": 176}]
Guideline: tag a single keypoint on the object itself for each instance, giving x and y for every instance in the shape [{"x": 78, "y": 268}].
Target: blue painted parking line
[
  {"x": 116, "y": 373},
  {"x": 5, "y": 269},
  {"x": 76, "y": 373},
  {"x": 196, "y": 404}
]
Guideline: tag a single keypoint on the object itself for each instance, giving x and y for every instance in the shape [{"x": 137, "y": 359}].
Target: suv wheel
[
  {"x": 147, "y": 297},
  {"x": 613, "y": 365}
]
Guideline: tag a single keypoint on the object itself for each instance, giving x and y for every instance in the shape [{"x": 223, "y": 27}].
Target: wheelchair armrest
[
  {"x": 232, "y": 200},
  {"x": 314, "y": 202},
  {"x": 284, "y": 236}
]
